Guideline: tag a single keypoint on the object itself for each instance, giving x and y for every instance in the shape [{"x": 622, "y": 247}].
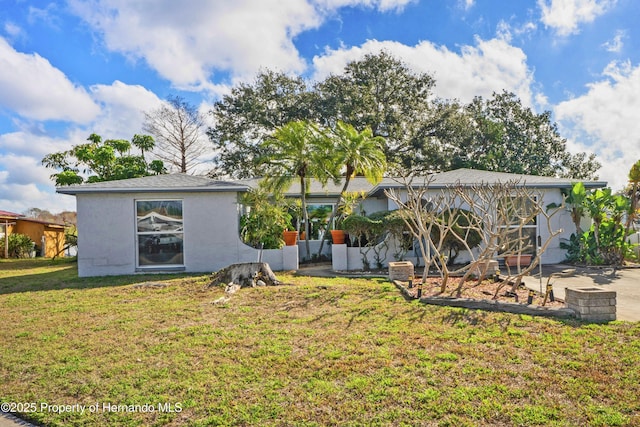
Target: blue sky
[{"x": 72, "y": 68}]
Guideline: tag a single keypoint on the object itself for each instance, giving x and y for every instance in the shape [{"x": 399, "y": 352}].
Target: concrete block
[
  {"x": 339, "y": 259},
  {"x": 602, "y": 310},
  {"x": 290, "y": 258},
  {"x": 400, "y": 270},
  {"x": 592, "y": 304}
]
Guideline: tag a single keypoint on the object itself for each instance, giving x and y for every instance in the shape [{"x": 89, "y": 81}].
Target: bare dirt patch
[{"x": 488, "y": 290}]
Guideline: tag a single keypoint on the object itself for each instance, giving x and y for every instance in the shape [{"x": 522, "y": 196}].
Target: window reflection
[{"x": 160, "y": 232}]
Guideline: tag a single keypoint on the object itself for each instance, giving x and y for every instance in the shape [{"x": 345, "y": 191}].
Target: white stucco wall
[
  {"x": 553, "y": 255},
  {"x": 107, "y": 233}
]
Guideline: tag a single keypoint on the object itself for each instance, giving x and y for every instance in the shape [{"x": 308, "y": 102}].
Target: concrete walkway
[
  {"x": 625, "y": 282},
  {"x": 8, "y": 420}
]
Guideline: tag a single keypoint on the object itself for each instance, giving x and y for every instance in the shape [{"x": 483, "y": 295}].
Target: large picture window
[{"x": 159, "y": 233}]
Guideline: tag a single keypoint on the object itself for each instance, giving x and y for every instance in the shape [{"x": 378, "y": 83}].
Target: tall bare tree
[{"x": 179, "y": 131}]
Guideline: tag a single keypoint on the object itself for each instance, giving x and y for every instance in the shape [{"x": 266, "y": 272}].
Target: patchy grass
[{"x": 319, "y": 352}]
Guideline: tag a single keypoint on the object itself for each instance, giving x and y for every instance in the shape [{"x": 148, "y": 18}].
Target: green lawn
[{"x": 320, "y": 352}]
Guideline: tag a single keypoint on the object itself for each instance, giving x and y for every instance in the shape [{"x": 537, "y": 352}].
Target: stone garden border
[{"x": 498, "y": 306}]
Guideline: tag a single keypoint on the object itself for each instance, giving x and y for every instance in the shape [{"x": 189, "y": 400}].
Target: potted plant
[
  {"x": 290, "y": 237},
  {"x": 523, "y": 260},
  {"x": 348, "y": 203},
  {"x": 338, "y": 237}
]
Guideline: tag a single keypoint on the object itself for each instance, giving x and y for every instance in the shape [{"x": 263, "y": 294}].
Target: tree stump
[{"x": 245, "y": 275}]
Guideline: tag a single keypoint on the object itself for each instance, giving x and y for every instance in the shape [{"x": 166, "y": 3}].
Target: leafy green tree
[
  {"x": 144, "y": 143},
  {"x": 605, "y": 241},
  {"x": 575, "y": 201},
  {"x": 634, "y": 181},
  {"x": 249, "y": 115},
  {"x": 298, "y": 151},
  {"x": 267, "y": 217},
  {"x": 508, "y": 137},
  {"x": 381, "y": 93},
  {"x": 107, "y": 160},
  {"x": 422, "y": 134}
]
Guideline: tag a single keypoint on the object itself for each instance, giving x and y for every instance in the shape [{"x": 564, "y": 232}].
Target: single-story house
[
  {"x": 163, "y": 223},
  {"x": 188, "y": 223},
  {"x": 47, "y": 236}
]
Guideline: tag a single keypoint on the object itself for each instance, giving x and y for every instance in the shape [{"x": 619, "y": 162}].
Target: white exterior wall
[
  {"x": 107, "y": 233},
  {"x": 553, "y": 255}
]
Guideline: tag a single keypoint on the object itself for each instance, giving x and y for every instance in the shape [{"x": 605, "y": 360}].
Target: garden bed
[{"x": 486, "y": 295}]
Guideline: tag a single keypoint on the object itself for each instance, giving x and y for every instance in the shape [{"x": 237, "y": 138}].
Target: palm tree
[
  {"x": 144, "y": 143},
  {"x": 298, "y": 150},
  {"x": 358, "y": 153}
]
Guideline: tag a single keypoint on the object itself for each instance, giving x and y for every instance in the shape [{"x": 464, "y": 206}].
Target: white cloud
[
  {"x": 32, "y": 87},
  {"x": 466, "y": 4},
  {"x": 616, "y": 44},
  {"x": 489, "y": 66},
  {"x": 12, "y": 29},
  {"x": 605, "y": 121},
  {"x": 381, "y": 5},
  {"x": 185, "y": 42},
  {"x": 565, "y": 16},
  {"x": 122, "y": 109},
  {"x": 189, "y": 41},
  {"x": 25, "y": 182}
]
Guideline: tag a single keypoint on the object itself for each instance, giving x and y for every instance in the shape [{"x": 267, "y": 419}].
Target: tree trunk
[
  {"x": 245, "y": 275},
  {"x": 305, "y": 215},
  {"x": 334, "y": 212}
]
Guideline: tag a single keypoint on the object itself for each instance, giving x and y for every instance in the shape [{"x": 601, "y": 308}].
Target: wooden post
[{"x": 6, "y": 239}]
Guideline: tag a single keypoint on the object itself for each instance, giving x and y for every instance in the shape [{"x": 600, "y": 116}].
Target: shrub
[{"x": 20, "y": 246}]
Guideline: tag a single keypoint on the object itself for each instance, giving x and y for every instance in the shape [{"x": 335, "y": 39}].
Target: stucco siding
[
  {"x": 106, "y": 234},
  {"x": 553, "y": 254}
]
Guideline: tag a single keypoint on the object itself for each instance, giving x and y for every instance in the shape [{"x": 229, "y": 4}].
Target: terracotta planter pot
[
  {"x": 290, "y": 237},
  {"x": 512, "y": 260},
  {"x": 337, "y": 236}
]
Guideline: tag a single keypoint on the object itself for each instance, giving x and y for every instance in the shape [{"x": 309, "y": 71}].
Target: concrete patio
[{"x": 625, "y": 282}]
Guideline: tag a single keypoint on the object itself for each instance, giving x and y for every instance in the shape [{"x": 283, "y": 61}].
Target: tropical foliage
[
  {"x": 107, "y": 160},
  {"x": 356, "y": 153},
  {"x": 298, "y": 151},
  {"x": 605, "y": 242},
  {"x": 266, "y": 217},
  {"x": 20, "y": 245}
]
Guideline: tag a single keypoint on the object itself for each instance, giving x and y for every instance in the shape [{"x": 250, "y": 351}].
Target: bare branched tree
[
  {"x": 499, "y": 213},
  {"x": 179, "y": 131}
]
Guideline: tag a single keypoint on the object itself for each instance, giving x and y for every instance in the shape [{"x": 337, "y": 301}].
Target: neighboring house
[
  {"x": 186, "y": 223},
  {"x": 47, "y": 236}
]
